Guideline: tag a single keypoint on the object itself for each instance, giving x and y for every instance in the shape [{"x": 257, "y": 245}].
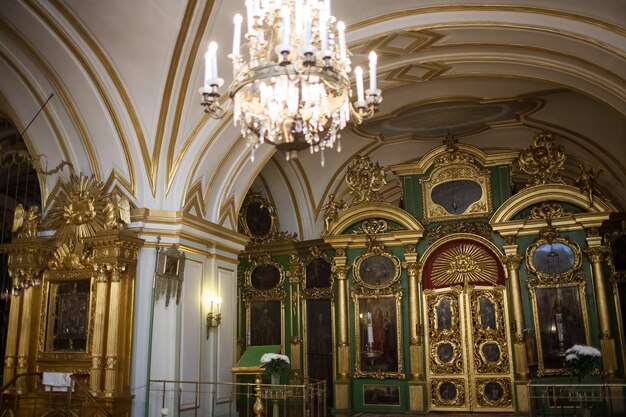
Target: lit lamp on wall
[
  {"x": 291, "y": 89},
  {"x": 214, "y": 314}
]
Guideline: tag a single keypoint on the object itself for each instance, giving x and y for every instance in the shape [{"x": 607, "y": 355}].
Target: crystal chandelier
[{"x": 293, "y": 91}]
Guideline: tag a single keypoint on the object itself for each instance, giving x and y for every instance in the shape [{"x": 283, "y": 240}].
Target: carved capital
[
  {"x": 512, "y": 261},
  {"x": 412, "y": 268},
  {"x": 596, "y": 254}
]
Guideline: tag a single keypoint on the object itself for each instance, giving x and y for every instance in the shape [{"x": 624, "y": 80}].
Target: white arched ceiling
[{"x": 126, "y": 108}]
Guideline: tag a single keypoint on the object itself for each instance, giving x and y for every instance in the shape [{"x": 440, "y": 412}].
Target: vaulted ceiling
[{"x": 125, "y": 76}]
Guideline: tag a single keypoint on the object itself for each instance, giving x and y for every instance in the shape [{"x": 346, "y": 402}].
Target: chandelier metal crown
[{"x": 293, "y": 91}]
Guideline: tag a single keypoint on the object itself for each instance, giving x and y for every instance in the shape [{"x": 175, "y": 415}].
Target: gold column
[
  {"x": 12, "y": 338},
  {"x": 415, "y": 329},
  {"x": 596, "y": 255},
  {"x": 97, "y": 345},
  {"x": 110, "y": 372},
  {"x": 513, "y": 260},
  {"x": 295, "y": 274},
  {"x": 343, "y": 344},
  {"x": 23, "y": 349}
]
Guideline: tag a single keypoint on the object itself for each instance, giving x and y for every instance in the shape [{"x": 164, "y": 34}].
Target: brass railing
[
  {"x": 576, "y": 399},
  {"x": 16, "y": 401},
  {"x": 257, "y": 399}
]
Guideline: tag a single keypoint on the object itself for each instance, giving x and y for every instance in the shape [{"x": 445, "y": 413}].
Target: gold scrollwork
[
  {"x": 542, "y": 161},
  {"x": 489, "y": 332},
  {"x": 444, "y": 331},
  {"x": 475, "y": 228},
  {"x": 376, "y": 268},
  {"x": 546, "y": 211},
  {"x": 455, "y": 165},
  {"x": 365, "y": 179},
  {"x": 494, "y": 392},
  {"x": 447, "y": 392}
]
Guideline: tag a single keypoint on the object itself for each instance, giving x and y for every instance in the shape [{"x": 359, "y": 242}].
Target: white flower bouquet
[
  {"x": 582, "y": 361},
  {"x": 274, "y": 363}
]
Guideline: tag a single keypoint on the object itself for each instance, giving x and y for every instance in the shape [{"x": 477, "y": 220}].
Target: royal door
[{"x": 468, "y": 350}]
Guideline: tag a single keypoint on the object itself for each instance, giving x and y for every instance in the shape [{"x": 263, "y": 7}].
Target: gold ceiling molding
[
  {"x": 183, "y": 90},
  {"x": 97, "y": 50},
  {"x": 92, "y": 73},
  {"x": 228, "y": 212},
  {"x": 168, "y": 89},
  {"x": 484, "y": 7},
  {"x": 194, "y": 200},
  {"x": 61, "y": 92},
  {"x": 504, "y": 158},
  {"x": 398, "y": 43},
  {"x": 402, "y": 75}
]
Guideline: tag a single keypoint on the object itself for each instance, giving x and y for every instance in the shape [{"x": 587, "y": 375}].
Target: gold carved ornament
[
  {"x": 250, "y": 293},
  {"x": 331, "y": 211},
  {"x": 484, "y": 400},
  {"x": 312, "y": 292},
  {"x": 486, "y": 335},
  {"x": 261, "y": 229},
  {"x": 547, "y": 211},
  {"x": 449, "y": 334},
  {"x": 464, "y": 263},
  {"x": 475, "y": 228},
  {"x": 453, "y": 165},
  {"x": 370, "y": 273},
  {"x": 586, "y": 182},
  {"x": 542, "y": 161},
  {"x": 365, "y": 179}
]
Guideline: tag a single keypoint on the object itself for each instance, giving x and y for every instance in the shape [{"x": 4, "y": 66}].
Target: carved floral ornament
[
  {"x": 542, "y": 161},
  {"x": 364, "y": 179}
]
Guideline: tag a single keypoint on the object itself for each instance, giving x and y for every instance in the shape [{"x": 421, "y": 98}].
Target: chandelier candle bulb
[
  {"x": 210, "y": 71},
  {"x": 360, "y": 97},
  {"x": 285, "y": 14},
  {"x": 341, "y": 30},
  {"x": 237, "y": 35},
  {"x": 373, "y": 61},
  {"x": 250, "y": 17},
  {"x": 323, "y": 18}
]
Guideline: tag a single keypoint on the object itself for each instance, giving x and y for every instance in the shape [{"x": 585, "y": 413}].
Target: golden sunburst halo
[
  {"x": 75, "y": 213},
  {"x": 464, "y": 263}
]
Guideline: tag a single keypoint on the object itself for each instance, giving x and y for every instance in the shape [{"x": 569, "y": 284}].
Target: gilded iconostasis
[{"x": 452, "y": 300}]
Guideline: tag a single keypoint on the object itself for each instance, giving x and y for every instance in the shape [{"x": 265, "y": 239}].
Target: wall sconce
[{"x": 212, "y": 319}]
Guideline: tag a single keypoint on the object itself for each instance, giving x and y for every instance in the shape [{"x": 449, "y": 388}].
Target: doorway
[{"x": 468, "y": 349}]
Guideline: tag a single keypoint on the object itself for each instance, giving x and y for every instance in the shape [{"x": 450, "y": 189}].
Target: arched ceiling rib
[{"x": 125, "y": 77}]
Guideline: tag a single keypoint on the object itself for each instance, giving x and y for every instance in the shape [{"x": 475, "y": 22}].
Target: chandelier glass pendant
[{"x": 292, "y": 88}]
